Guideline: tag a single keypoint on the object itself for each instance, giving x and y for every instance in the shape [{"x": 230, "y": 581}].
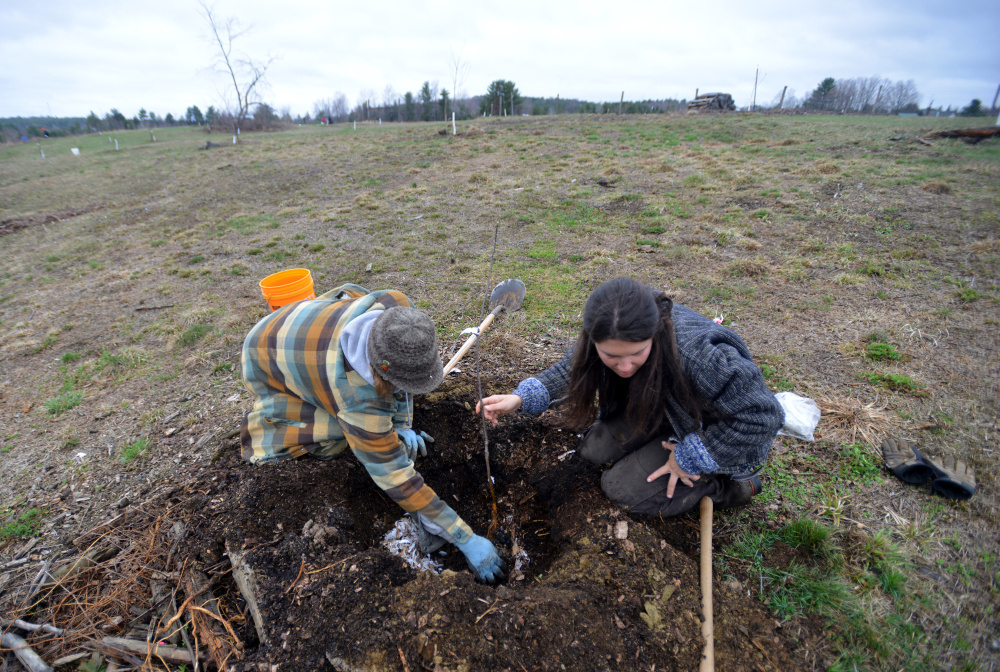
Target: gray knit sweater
[{"x": 720, "y": 369}]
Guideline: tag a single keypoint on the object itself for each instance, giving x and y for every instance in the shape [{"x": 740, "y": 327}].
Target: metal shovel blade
[{"x": 509, "y": 294}]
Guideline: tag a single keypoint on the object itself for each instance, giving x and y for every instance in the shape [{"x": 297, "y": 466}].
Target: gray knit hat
[{"x": 402, "y": 348}]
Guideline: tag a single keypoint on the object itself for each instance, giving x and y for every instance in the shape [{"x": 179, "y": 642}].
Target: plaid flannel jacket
[{"x": 308, "y": 398}]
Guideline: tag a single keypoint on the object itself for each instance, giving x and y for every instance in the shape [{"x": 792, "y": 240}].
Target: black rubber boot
[{"x": 736, "y": 493}]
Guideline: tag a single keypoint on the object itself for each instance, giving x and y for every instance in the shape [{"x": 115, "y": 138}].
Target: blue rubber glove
[
  {"x": 482, "y": 558},
  {"x": 414, "y": 441}
]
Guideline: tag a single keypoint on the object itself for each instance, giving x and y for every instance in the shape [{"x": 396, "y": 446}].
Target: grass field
[{"x": 860, "y": 265}]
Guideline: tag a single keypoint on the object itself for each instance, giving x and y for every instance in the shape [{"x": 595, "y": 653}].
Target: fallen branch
[
  {"x": 970, "y": 135},
  {"x": 171, "y": 654},
  {"x": 23, "y": 552},
  {"x": 246, "y": 582},
  {"x": 14, "y": 563},
  {"x": 31, "y": 627},
  {"x": 31, "y": 660},
  {"x": 196, "y": 583}
]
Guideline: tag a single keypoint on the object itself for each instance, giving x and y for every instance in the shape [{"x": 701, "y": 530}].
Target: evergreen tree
[
  {"x": 820, "y": 99},
  {"x": 443, "y": 104},
  {"x": 502, "y": 97},
  {"x": 194, "y": 116},
  {"x": 426, "y": 101},
  {"x": 973, "y": 109},
  {"x": 409, "y": 107}
]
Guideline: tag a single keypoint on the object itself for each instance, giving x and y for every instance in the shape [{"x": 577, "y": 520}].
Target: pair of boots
[
  {"x": 624, "y": 483},
  {"x": 949, "y": 476}
]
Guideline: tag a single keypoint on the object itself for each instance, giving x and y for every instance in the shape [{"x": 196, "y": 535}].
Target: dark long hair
[{"x": 624, "y": 310}]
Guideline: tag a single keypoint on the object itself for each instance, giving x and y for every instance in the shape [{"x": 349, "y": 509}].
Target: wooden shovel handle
[
  {"x": 707, "y": 626},
  {"x": 453, "y": 362}
]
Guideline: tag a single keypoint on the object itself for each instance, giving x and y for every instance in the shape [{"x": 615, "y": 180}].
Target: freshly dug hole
[{"x": 590, "y": 600}]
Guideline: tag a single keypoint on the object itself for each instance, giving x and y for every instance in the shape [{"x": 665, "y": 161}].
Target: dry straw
[{"x": 846, "y": 420}]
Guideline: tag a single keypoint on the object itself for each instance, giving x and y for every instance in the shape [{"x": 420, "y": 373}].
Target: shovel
[{"x": 508, "y": 295}]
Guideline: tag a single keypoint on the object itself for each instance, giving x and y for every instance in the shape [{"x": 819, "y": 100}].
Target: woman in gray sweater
[{"x": 681, "y": 410}]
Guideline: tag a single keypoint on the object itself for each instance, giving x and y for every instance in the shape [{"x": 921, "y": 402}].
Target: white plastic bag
[{"x": 801, "y": 415}]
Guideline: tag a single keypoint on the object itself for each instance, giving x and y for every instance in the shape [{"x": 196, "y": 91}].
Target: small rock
[
  {"x": 995, "y": 645},
  {"x": 734, "y": 586},
  {"x": 621, "y": 529}
]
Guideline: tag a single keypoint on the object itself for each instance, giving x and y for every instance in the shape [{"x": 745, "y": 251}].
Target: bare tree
[
  {"x": 339, "y": 108},
  {"x": 459, "y": 68},
  {"x": 247, "y": 75},
  {"x": 389, "y": 99},
  {"x": 365, "y": 99},
  {"x": 903, "y": 96}
]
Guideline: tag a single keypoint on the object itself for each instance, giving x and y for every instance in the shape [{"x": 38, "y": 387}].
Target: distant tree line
[
  {"x": 858, "y": 95},
  {"x": 12, "y": 129},
  {"x": 431, "y": 103},
  {"x": 864, "y": 95}
]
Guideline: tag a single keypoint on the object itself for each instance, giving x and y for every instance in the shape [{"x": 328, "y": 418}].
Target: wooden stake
[
  {"x": 780, "y": 102},
  {"x": 707, "y": 626}
]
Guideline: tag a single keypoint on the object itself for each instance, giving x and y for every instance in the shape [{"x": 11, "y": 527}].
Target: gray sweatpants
[{"x": 624, "y": 483}]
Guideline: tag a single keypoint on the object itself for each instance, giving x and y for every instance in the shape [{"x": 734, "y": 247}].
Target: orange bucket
[{"x": 286, "y": 287}]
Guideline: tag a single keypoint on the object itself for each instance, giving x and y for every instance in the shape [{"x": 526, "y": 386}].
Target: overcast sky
[{"x": 67, "y": 57}]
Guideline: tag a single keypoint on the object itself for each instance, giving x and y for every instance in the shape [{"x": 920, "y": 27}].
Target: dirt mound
[
  {"x": 601, "y": 592},
  {"x": 18, "y": 223}
]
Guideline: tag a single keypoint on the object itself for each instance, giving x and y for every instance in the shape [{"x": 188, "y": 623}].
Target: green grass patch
[
  {"x": 134, "y": 449},
  {"x": 543, "y": 250},
  {"x": 896, "y": 382},
  {"x": 127, "y": 360},
  {"x": 775, "y": 380},
  {"x": 23, "y": 526},
  {"x": 859, "y": 464},
  {"x": 249, "y": 224},
  {"x": 859, "y": 596},
  {"x": 46, "y": 344},
  {"x": 880, "y": 352},
  {"x": 193, "y": 334},
  {"x": 66, "y": 399}
]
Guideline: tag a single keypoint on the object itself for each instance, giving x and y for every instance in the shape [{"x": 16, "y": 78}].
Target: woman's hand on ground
[
  {"x": 499, "y": 404},
  {"x": 675, "y": 471}
]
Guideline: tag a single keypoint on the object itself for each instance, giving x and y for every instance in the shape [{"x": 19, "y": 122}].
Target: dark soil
[{"x": 332, "y": 597}]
